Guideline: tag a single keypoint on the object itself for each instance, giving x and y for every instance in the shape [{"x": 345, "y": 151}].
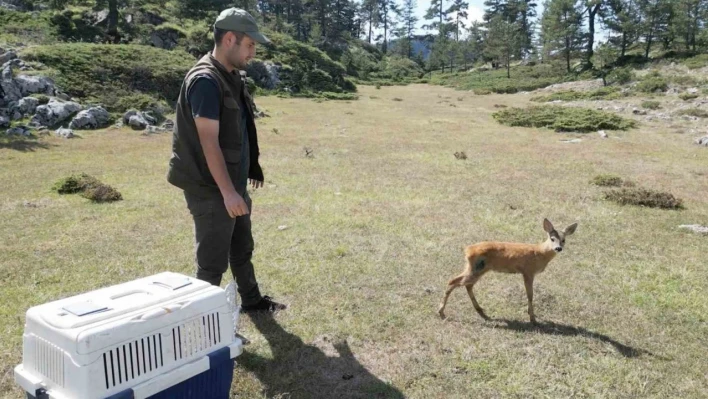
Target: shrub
[
  {"x": 102, "y": 193},
  {"x": 696, "y": 62},
  {"x": 697, "y": 112},
  {"x": 644, "y": 197},
  {"x": 607, "y": 181},
  {"x": 604, "y": 93},
  {"x": 620, "y": 76},
  {"x": 75, "y": 184},
  {"x": 653, "y": 83},
  {"x": 105, "y": 74},
  {"x": 688, "y": 96},
  {"x": 563, "y": 119},
  {"x": 650, "y": 104}
]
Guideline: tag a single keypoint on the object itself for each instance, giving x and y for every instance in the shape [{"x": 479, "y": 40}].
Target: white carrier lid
[{"x": 107, "y": 303}]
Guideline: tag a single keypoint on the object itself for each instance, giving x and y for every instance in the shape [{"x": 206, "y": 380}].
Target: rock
[
  {"x": 8, "y": 86},
  {"x": 168, "y": 124},
  {"x": 692, "y": 90},
  {"x": 16, "y": 115},
  {"x": 572, "y": 141},
  {"x": 264, "y": 74},
  {"x": 165, "y": 38},
  {"x": 153, "y": 19},
  {"x": 19, "y": 131},
  {"x": 702, "y": 141},
  {"x": 637, "y": 111},
  {"x": 137, "y": 122},
  {"x": 15, "y": 63},
  {"x": 92, "y": 118},
  {"x": 696, "y": 228},
  {"x": 151, "y": 120},
  {"x": 34, "y": 85},
  {"x": 4, "y": 122},
  {"x": 65, "y": 133},
  {"x": 10, "y": 55},
  {"x": 63, "y": 96},
  {"x": 602, "y": 134},
  {"x": 54, "y": 112},
  {"x": 100, "y": 18},
  {"x": 27, "y": 105}
]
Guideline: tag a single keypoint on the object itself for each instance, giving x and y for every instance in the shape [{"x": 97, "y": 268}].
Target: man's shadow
[
  {"x": 552, "y": 328},
  {"x": 299, "y": 370}
]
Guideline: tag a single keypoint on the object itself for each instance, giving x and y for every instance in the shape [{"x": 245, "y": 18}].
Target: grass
[
  {"x": 603, "y": 93},
  {"x": 367, "y": 255},
  {"x": 607, "y": 180},
  {"x": 563, "y": 119},
  {"x": 689, "y": 96},
  {"x": 117, "y": 76},
  {"x": 696, "y": 62},
  {"x": 523, "y": 78}
]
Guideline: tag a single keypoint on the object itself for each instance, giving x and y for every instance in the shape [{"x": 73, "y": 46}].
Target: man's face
[{"x": 240, "y": 54}]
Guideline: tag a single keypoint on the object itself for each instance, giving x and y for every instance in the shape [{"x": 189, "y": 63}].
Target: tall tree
[
  {"x": 655, "y": 21},
  {"x": 437, "y": 14},
  {"x": 622, "y": 19},
  {"x": 408, "y": 21},
  {"x": 562, "y": 28},
  {"x": 592, "y": 7},
  {"x": 388, "y": 10},
  {"x": 504, "y": 41},
  {"x": 459, "y": 8}
]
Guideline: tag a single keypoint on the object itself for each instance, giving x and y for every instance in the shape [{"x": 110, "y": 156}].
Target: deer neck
[{"x": 545, "y": 250}]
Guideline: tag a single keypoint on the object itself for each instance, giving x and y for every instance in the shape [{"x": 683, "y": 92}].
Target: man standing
[{"x": 215, "y": 156}]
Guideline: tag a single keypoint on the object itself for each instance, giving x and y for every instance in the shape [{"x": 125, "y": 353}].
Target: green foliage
[
  {"x": 22, "y": 27},
  {"x": 75, "y": 184},
  {"x": 111, "y": 74},
  {"x": 563, "y": 119},
  {"x": 651, "y": 104},
  {"x": 697, "y": 112},
  {"x": 604, "y": 93},
  {"x": 699, "y": 61},
  {"x": 607, "y": 180},
  {"x": 653, "y": 83},
  {"x": 688, "y": 96},
  {"x": 102, "y": 193},
  {"x": 644, "y": 197},
  {"x": 620, "y": 76},
  {"x": 523, "y": 78}
]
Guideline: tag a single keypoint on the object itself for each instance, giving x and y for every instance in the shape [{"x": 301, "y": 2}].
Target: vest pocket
[{"x": 232, "y": 156}]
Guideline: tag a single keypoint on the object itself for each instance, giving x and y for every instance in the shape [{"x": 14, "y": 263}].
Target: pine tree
[
  {"x": 561, "y": 28},
  {"x": 504, "y": 41}
]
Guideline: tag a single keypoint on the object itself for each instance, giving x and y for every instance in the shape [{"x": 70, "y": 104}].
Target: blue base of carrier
[{"x": 214, "y": 383}]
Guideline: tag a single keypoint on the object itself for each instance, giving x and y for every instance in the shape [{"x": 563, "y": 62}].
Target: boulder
[
  {"x": 54, "y": 112},
  {"x": 92, "y": 118}
]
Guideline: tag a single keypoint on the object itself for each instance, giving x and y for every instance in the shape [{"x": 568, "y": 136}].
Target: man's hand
[
  {"x": 256, "y": 183},
  {"x": 235, "y": 205}
]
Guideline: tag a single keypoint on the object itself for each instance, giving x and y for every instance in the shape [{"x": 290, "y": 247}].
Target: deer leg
[
  {"x": 469, "y": 285},
  {"x": 454, "y": 283},
  {"x": 528, "y": 282}
]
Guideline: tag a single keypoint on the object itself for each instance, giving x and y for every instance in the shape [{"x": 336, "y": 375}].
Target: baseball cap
[{"x": 239, "y": 20}]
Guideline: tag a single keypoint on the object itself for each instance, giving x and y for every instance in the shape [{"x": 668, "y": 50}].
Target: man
[{"x": 215, "y": 155}]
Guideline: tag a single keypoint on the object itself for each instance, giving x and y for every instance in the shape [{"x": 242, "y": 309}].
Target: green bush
[
  {"x": 650, "y": 104},
  {"x": 563, "y": 119},
  {"x": 604, "y": 93},
  {"x": 620, "y": 76},
  {"x": 16, "y": 26},
  {"x": 106, "y": 74},
  {"x": 688, "y": 96},
  {"x": 653, "y": 83},
  {"x": 696, "y": 62},
  {"x": 697, "y": 112},
  {"x": 75, "y": 184},
  {"x": 523, "y": 78},
  {"x": 610, "y": 181},
  {"x": 644, "y": 197},
  {"x": 102, "y": 193}
]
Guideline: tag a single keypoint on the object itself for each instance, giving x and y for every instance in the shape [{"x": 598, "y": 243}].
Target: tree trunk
[
  {"x": 567, "y": 52},
  {"x": 371, "y": 19},
  {"x": 624, "y": 44},
  {"x": 592, "y": 11},
  {"x": 113, "y": 21}
]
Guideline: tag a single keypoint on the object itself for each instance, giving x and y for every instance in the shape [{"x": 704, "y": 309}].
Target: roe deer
[{"x": 525, "y": 259}]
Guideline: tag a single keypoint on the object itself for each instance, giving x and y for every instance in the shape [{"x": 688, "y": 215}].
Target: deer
[{"x": 505, "y": 257}]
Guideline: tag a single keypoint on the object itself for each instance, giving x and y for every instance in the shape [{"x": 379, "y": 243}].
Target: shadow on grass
[
  {"x": 23, "y": 144},
  {"x": 552, "y": 328},
  {"x": 299, "y": 370}
]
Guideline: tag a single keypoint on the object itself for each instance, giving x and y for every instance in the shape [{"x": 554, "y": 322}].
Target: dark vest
[{"x": 188, "y": 167}]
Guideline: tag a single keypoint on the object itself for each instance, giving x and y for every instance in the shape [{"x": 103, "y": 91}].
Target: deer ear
[
  {"x": 570, "y": 229},
  {"x": 548, "y": 226}
]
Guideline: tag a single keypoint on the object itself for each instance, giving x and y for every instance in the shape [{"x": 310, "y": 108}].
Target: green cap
[{"x": 238, "y": 20}]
